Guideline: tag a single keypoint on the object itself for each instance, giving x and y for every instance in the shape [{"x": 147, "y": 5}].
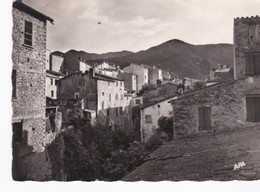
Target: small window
[
  {"x": 14, "y": 83},
  {"x": 52, "y": 93},
  {"x": 116, "y": 83},
  {"x": 28, "y": 29},
  {"x": 137, "y": 101},
  {"x": 116, "y": 96},
  {"x": 121, "y": 83},
  {"x": 51, "y": 81},
  {"x": 252, "y": 64},
  {"x": 108, "y": 112},
  {"x": 158, "y": 106},
  {"x": 122, "y": 97},
  {"x": 110, "y": 97},
  {"x": 56, "y": 82},
  {"x": 103, "y": 93},
  {"x": 148, "y": 119},
  {"x": 108, "y": 83}
]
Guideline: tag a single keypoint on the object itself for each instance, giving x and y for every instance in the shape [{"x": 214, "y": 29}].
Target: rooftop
[{"x": 29, "y": 10}]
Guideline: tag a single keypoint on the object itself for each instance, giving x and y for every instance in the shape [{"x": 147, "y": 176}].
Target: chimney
[{"x": 212, "y": 73}]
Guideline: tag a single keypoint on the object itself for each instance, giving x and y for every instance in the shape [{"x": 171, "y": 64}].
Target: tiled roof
[
  {"x": 222, "y": 75},
  {"x": 29, "y": 10},
  {"x": 145, "y": 105}
]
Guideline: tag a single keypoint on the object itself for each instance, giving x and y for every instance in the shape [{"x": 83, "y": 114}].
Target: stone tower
[
  {"x": 246, "y": 47},
  {"x": 28, "y": 75}
]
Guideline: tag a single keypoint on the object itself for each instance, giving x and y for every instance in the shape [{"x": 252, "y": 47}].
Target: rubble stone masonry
[
  {"x": 29, "y": 63},
  {"x": 246, "y": 39}
]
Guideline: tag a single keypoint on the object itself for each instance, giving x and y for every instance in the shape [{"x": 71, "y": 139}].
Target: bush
[{"x": 153, "y": 142}]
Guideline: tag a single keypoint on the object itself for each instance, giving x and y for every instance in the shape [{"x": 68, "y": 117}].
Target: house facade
[
  {"x": 231, "y": 104},
  {"x": 130, "y": 82},
  {"x": 28, "y": 75},
  {"x": 101, "y": 94},
  {"x": 155, "y": 76},
  {"x": 150, "y": 113},
  {"x": 141, "y": 72}
]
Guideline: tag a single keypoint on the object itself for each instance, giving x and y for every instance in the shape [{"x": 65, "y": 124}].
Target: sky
[{"x": 136, "y": 25}]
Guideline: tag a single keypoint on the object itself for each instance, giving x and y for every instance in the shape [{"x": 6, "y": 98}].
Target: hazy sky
[{"x": 139, "y": 24}]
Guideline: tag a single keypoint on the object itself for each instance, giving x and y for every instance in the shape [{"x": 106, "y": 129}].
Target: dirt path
[{"x": 207, "y": 157}]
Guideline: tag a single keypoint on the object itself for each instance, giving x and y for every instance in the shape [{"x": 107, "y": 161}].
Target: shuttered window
[
  {"x": 252, "y": 64},
  {"x": 28, "y": 29},
  {"x": 148, "y": 119},
  {"x": 253, "y": 108},
  {"x": 204, "y": 118}
]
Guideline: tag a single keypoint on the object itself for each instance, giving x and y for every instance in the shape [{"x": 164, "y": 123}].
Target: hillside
[{"x": 185, "y": 59}]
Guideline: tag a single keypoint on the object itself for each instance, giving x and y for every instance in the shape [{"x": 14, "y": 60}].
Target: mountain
[{"x": 185, "y": 59}]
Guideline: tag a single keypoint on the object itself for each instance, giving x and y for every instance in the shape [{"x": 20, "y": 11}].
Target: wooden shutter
[
  {"x": 201, "y": 118},
  {"x": 207, "y": 118},
  {"x": 249, "y": 65},
  {"x": 250, "y": 109},
  {"x": 257, "y": 109},
  {"x": 257, "y": 64},
  {"x": 14, "y": 83},
  {"x": 17, "y": 132}
]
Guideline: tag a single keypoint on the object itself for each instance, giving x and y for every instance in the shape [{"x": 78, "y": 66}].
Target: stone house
[
  {"x": 150, "y": 113},
  {"x": 155, "y": 76},
  {"x": 99, "y": 93},
  {"x": 140, "y": 71},
  {"x": 231, "y": 104},
  {"x": 130, "y": 82},
  {"x": 28, "y": 75},
  {"x": 52, "y": 78}
]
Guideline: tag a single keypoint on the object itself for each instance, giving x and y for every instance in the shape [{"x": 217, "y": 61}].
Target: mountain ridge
[{"x": 175, "y": 55}]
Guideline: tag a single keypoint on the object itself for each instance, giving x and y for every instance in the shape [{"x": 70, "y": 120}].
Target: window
[
  {"x": 252, "y": 63},
  {"x": 158, "y": 106},
  {"x": 148, "y": 119},
  {"x": 28, "y": 27},
  {"x": 108, "y": 112},
  {"x": 117, "y": 83},
  {"x": 116, "y": 96},
  {"x": 103, "y": 105},
  {"x": 76, "y": 96},
  {"x": 103, "y": 93},
  {"x": 51, "y": 81},
  {"x": 108, "y": 83},
  {"x": 81, "y": 82},
  {"x": 14, "y": 83},
  {"x": 121, "y": 83},
  {"x": 253, "y": 108},
  {"x": 52, "y": 93},
  {"x": 110, "y": 97},
  {"x": 122, "y": 97},
  {"x": 137, "y": 101},
  {"x": 254, "y": 33},
  {"x": 56, "y": 82}
]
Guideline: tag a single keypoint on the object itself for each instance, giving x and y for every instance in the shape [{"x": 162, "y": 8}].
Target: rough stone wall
[
  {"x": 227, "y": 102},
  {"x": 243, "y": 42},
  {"x": 29, "y": 62},
  {"x": 68, "y": 86},
  {"x": 141, "y": 72}
]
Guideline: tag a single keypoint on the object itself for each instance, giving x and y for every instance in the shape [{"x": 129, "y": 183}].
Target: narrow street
[{"x": 207, "y": 157}]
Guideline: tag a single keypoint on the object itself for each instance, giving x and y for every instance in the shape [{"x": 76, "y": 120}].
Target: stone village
[{"x": 46, "y": 89}]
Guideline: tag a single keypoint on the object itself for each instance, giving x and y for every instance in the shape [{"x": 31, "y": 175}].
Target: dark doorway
[
  {"x": 17, "y": 132},
  {"x": 205, "y": 118}
]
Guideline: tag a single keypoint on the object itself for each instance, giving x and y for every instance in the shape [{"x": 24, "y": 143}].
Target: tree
[{"x": 166, "y": 125}]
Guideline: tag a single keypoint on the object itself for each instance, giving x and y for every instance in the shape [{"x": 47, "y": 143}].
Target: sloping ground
[{"x": 207, "y": 157}]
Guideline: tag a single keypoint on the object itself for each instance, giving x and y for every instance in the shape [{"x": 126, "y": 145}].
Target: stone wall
[
  {"x": 29, "y": 63},
  {"x": 227, "y": 102},
  {"x": 244, "y": 41}
]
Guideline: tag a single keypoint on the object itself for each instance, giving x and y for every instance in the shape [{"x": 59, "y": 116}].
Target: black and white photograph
[{"x": 134, "y": 90}]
